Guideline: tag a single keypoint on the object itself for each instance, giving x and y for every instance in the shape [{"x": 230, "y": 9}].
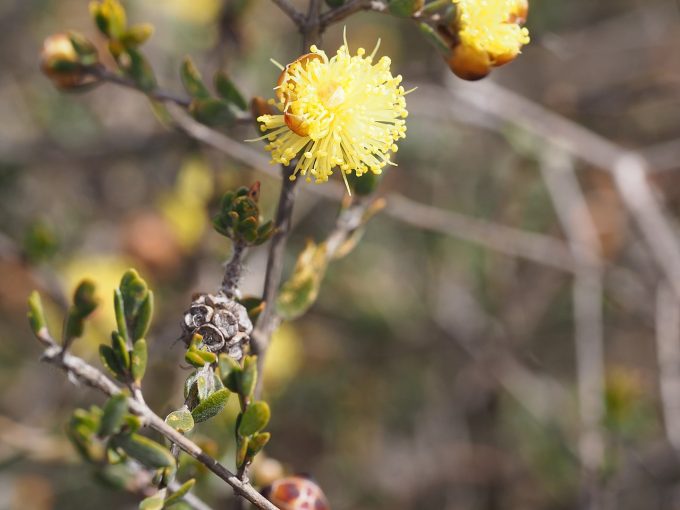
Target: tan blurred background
[{"x": 437, "y": 370}]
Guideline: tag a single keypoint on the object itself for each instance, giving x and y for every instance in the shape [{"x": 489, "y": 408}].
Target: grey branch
[
  {"x": 668, "y": 352},
  {"x": 101, "y": 72},
  {"x": 630, "y": 170},
  {"x": 572, "y": 210},
  {"x": 290, "y": 11},
  {"x": 90, "y": 376},
  {"x": 349, "y": 8},
  {"x": 233, "y": 270}
]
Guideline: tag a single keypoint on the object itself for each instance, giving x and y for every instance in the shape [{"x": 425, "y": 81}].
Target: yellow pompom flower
[
  {"x": 490, "y": 34},
  {"x": 344, "y": 112}
]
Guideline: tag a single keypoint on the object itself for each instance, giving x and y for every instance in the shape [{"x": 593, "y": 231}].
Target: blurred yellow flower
[
  {"x": 341, "y": 112},
  {"x": 490, "y": 34}
]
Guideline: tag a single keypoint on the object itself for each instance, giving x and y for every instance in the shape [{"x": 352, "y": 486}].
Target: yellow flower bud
[
  {"x": 489, "y": 34},
  {"x": 60, "y": 61}
]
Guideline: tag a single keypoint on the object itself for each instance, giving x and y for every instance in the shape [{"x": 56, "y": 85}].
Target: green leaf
[
  {"x": 137, "y": 35},
  {"x": 198, "y": 358},
  {"x": 134, "y": 291},
  {"x": 181, "y": 492},
  {"x": 434, "y": 38},
  {"x": 264, "y": 232},
  {"x": 132, "y": 423},
  {"x": 143, "y": 317},
  {"x": 227, "y": 90},
  {"x": 248, "y": 379},
  {"x": 226, "y": 365},
  {"x": 211, "y": 406},
  {"x": 145, "y": 450},
  {"x": 119, "y": 309},
  {"x": 365, "y": 184},
  {"x": 110, "y": 361},
  {"x": 192, "y": 80},
  {"x": 139, "y": 360},
  {"x": 86, "y": 50},
  {"x": 241, "y": 450},
  {"x": 405, "y": 8},
  {"x": 73, "y": 327},
  {"x": 114, "y": 413},
  {"x": 179, "y": 505},
  {"x": 211, "y": 112},
  {"x": 180, "y": 420},
  {"x": 109, "y": 16},
  {"x": 299, "y": 293},
  {"x": 36, "y": 314},
  {"x": 254, "y": 419},
  {"x": 113, "y": 456},
  {"x": 256, "y": 443},
  {"x": 137, "y": 67},
  {"x": 40, "y": 242},
  {"x": 155, "y": 502},
  {"x": 204, "y": 385},
  {"x": 84, "y": 299},
  {"x": 120, "y": 350}
]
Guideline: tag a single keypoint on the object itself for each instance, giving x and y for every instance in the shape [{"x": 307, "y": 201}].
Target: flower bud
[
  {"x": 64, "y": 57},
  {"x": 468, "y": 63}
]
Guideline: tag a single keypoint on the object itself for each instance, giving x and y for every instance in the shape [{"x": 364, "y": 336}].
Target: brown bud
[
  {"x": 60, "y": 61},
  {"x": 283, "y": 91},
  {"x": 468, "y": 63},
  {"x": 259, "y": 106}
]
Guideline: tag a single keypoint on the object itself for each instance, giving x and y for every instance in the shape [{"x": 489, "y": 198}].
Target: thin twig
[
  {"x": 267, "y": 321},
  {"x": 89, "y": 375},
  {"x": 233, "y": 270},
  {"x": 349, "y": 8},
  {"x": 629, "y": 169},
  {"x": 668, "y": 352},
  {"x": 101, "y": 72},
  {"x": 290, "y": 11},
  {"x": 572, "y": 210}
]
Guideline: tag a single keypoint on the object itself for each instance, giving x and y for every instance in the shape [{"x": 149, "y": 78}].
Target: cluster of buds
[
  {"x": 222, "y": 324},
  {"x": 65, "y": 59},
  {"x": 239, "y": 217},
  {"x": 484, "y": 35}
]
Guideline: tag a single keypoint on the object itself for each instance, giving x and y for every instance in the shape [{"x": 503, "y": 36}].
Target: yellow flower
[
  {"x": 342, "y": 111},
  {"x": 490, "y": 35}
]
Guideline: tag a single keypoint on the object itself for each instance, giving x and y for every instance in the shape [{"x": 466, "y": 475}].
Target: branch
[
  {"x": 267, "y": 322},
  {"x": 629, "y": 169},
  {"x": 349, "y": 8},
  {"x": 80, "y": 370},
  {"x": 289, "y": 9},
  {"x": 104, "y": 74},
  {"x": 587, "y": 294},
  {"x": 668, "y": 353},
  {"x": 233, "y": 270}
]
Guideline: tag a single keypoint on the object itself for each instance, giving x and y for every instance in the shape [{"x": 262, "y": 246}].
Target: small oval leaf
[
  {"x": 211, "y": 406},
  {"x": 146, "y": 451},
  {"x": 180, "y": 420},
  {"x": 180, "y": 493},
  {"x": 114, "y": 413},
  {"x": 138, "y": 360},
  {"x": 254, "y": 419}
]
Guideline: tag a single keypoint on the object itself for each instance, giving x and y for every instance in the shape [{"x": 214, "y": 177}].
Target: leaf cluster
[
  {"x": 126, "y": 356},
  {"x": 239, "y": 217}
]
